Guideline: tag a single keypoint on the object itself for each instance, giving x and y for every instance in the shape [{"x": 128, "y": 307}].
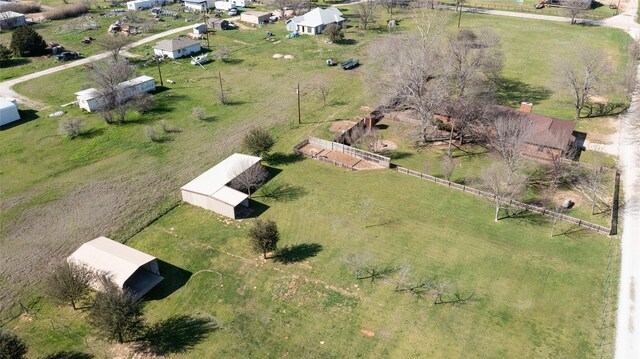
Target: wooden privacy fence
[
  {"x": 527, "y": 207},
  {"x": 367, "y": 156}
]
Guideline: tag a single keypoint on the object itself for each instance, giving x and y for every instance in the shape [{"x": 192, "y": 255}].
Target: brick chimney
[{"x": 526, "y": 107}]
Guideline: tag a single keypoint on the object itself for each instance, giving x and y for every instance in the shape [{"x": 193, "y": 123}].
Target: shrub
[
  {"x": 25, "y": 41},
  {"x": 70, "y": 128},
  {"x": 258, "y": 141},
  {"x": 264, "y": 236},
  {"x": 199, "y": 113},
  {"x": 143, "y": 102},
  {"x": 5, "y": 54},
  {"x": 69, "y": 284},
  {"x": 66, "y": 11},
  {"x": 11, "y": 346},
  {"x": 151, "y": 133},
  {"x": 334, "y": 32},
  {"x": 223, "y": 54},
  {"x": 166, "y": 128}
]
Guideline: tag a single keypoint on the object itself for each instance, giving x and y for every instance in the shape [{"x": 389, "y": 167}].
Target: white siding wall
[{"x": 209, "y": 203}]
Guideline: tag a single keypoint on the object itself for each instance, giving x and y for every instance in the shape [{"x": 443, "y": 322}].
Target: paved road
[{"x": 6, "y": 86}]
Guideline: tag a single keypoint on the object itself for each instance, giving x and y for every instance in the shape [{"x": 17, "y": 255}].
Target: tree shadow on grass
[
  {"x": 69, "y": 355},
  {"x": 297, "y": 253},
  {"x": 91, "y": 133},
  {"x": 524, "y": 216},
  {"x": 177, "y": 334},
  {"x": 283, "y": 192},
  {"x": 283, "y": 159},
  {"x": 512, "y": 92},
  {"x": 174, "y": 279}
]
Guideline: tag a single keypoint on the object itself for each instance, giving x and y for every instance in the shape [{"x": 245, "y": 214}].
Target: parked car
[
  {"x": 68, "y": 56},
  {"x": 350, "y": 64},
  {"x": 232, "y": 12}
]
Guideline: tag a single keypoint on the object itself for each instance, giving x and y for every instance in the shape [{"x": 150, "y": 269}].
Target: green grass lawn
[
  {"x": 533, "y": 294},
  {"x": 597, "y": 11}
]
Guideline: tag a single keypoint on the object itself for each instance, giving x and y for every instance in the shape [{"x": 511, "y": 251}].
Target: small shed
[
  {"x": 200, "y": 29},
  {"x": 177, "y": 48},
  {"x": 128, "y": 268},
  {"x": 219, "y": 24},
  {"x": 11, "y": 19},
  {"x": 255, "y": 17},
  {"x": 140, "y": 4},
  {"x": 210, "y": 190},
  {"x": 8, "y": 111},
  {"x": 90, "y": 100}
]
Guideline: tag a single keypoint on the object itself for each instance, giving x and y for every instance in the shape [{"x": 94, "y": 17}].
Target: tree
[
  {"x": 247, "y": 177},
  {"x": 143, "y": 102},
  {"x": 576, "y": 7},
  {"x": 366, "y": 13},
  {"x": 25, "y": 41},
  {"x": 333, "y": 32},
  {"x": 448, "y": 166},
  {"x": 510, "y": 135},
  {"x": 199, "y": 113},
  {"x": 258, "y": 141},
  {"x": 114, "y": 44},
  {"x": 559, "y": 165},
  {"x": 11, "y": 346},
  {"x": 264, "y": 236},
  {"x": 5, "y": 54},
  {"x": 69, "y": 283},
  {"x": 591, "y": 181},
  {"x": 504, "y": 184},
  {"x": 582, "y": 77},
  {"x": 323, "y": 92},
  {"x": 70, "y": 128},
  {"x": 115, "y": 313},
  {"x": 388, "y": 6},
  {"x": 474, "y": 61},
  {"x": 114, "y": 102}
]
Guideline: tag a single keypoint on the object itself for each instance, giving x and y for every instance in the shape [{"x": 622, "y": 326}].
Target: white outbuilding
[
  {"x": 91, "y": 99},
  {"x": 8, "y": 111},
  {"x": 200, "y": 5},
  {"x": 11, "y": 19},
  {"x": 126, "y": 267},
  {"x": 210, "y": 190},
  {"x": 177, "y": 48},
  {"x": 255, "y": 17},
  {"x": 140, "y": 4}
]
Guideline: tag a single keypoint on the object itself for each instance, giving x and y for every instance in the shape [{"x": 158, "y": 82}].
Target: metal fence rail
[{"x": 527, "y": 207}]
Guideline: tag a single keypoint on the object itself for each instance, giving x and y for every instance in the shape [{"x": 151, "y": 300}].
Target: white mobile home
[
  {"x": 210, "y": 190},
  {"x": 224, "y": 5},
  {"x": 140, "y": 4},
  {"x": 177, "y": 48},
  {"x": 200, "y": 5},
  {"x": 11, "y": 19},
  {"x": 91, "y": 100},
  {"x": 126, "y": 267},
  {"x": 241, "y": 4},
  {"x": 8, "y": 111}
]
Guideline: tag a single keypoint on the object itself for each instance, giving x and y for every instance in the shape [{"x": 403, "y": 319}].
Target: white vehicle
[
  {"x": 233, "y": 12},
  {"x": 224, "y": 6},
  {"x": 199, "y": 60},
  {"x": 239, "y": 3}
]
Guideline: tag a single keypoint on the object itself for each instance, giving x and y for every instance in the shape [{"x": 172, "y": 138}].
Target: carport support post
[{"x": 159, "y": 72}]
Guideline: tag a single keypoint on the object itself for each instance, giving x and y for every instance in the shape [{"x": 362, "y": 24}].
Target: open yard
[{"x": 535, "y": 294}]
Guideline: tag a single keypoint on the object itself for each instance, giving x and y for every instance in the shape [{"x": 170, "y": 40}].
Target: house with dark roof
[
  {"x": 315, "y": 21},
  {"x": 177, "y": 48}
]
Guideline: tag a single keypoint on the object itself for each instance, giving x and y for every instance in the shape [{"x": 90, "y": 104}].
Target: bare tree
[
  {"x": 408, "y": 72},
  {"x": 575, "y": 8},
  {"x": 388, "y": 5},
  {"x": 582, "y": 77},
  {"x": 550, "y": 202},
  {"x": 474, "y": 61},
  {"x": 448, "y": 166},
  {"x": 248, "y": 177},
  {"x": 366, "y": 13},
  {"x": 223, "y": 54},
  {"x": 113, "y": 98},
  {"x": 510, "y": 135},
  {"x": 114, "y": 44},
  {"x": 323, "y": 92},
  {"x": 504, "y": 184},
  {"x": 591, "y": 181},
  {"x": 366, "y": 267},
  {"x": 559, "y": 158},
  {"x": 70, "y": 128},
  {"x": 69, "y": 283}
]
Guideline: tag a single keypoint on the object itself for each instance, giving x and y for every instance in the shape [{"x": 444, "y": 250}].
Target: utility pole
[
  {"x": 298, "y": 93},
  {"x": 459, "y": 13},
  {"x": 221, "y": 89},
  {"x": 159, "y": 72},
  {"x": 206, "y": 30}
]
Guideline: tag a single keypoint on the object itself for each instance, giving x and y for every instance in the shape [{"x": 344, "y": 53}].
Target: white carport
[
  {"x": 210, "y": 190},
  {"x": 128, "y": 268},
  {"x": 8, "y": 111}
]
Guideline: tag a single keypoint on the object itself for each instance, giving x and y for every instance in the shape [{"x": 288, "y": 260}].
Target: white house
[
  {"x": 241, "y": 4},
  {"x": 140, "y": 4},
  {"x": 91, "y": 100},
  {"x": 8, "y": 111},
  {"x": 315, "y": 21},
  {"x": 224, "y": 5},
  {"x": 210, "y": 190},
  {"x": 126, "y": 267},
  {"x": 177, "y": 48},
  {"x": 255, "y": 17},
  {"x": 200, "y": 5},
  {"x": 11, "y": 19}
]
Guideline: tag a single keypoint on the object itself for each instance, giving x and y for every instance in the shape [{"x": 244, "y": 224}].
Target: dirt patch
[
  {"x": 384, "y": 145},
  {"x": 367, "y": 332},
  {"x": 242, "y": 26},
  {"x": 561, "y": 196},
  {"x": 598, "y": 99},
  {"x": 130, "y": 351},
  {"x": 339, "y": 158},
  {"x": 341, "y": 126}
]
